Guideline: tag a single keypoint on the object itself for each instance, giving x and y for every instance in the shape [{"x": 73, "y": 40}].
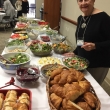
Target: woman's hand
[
  {"x": 88, "y": 46},
  {"x": 69, "y": 54}
]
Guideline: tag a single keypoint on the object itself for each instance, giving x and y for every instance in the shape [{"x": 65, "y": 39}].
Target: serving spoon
[{"x": 7, "y": 61}]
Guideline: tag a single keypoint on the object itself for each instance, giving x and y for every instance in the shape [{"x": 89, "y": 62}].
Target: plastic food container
[{"x": 19, "y": 91}]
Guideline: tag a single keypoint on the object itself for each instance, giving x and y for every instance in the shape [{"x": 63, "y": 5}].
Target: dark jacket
[
  {"x": 25, "y": 7},
  {"x": 98, "y": 32}
]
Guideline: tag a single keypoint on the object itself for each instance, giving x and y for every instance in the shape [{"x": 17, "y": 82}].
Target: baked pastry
[
  {"x": 1, "y": 100},
  {"x": 78, "y": 74},
  {"x": 58, "y": 90},
  {"x": 85, "y": 85},
  {"x": 11, "y": 96},
  {"x": 84, "y": 106},
  {"x": 64, "y": 75},
  {"x": 56, "y": 100},
  {"x": 68, "y": 105},
  {"x": 90, "y": 99},
  {"x": 73, "y": 91},
  {"x": 55, "y": 80},
  {"x": 71, "y": 78},
  {"x": 8, "y": 108},
  {"x": 2, "y": 95},
  {"x": 11, "y": 104},
  {"x": 24, "y": 95},
  {"x": 69, "y": 90},
  {"x": 56, "y": 72},
  {"x": 24, "y": 98},
  {"x": 25, "y": 101},
  {"x": 11, "y": 92},
  {"x": 21, "y": 106}
]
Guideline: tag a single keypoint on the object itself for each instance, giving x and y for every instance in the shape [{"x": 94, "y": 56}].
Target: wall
[
  {"x": 38, "y": 6},
  {"x": 70, "y": 10}
]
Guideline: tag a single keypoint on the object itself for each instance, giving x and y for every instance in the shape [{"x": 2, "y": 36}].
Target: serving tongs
[{"x": 5, "y": 60}]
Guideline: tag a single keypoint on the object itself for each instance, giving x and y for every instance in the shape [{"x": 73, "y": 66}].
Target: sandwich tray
[{"x": 19, "y": 91}]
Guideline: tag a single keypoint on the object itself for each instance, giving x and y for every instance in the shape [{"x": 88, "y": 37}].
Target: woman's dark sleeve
[{"x": 75, "y": 51}]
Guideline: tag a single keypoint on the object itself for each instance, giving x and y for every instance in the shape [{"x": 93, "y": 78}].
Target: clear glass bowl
[{"x": 23, "y": 76}]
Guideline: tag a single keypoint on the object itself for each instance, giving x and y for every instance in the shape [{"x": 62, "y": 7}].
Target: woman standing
[
  {"x": 93, "y": 39},
  {"x": 9, "y": 9},
  {"x": 25, "y": 7},
  {"x": 18, "y": 6}
]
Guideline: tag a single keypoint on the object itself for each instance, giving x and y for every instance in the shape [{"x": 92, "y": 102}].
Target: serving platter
[{"x": 19, "y": 92}]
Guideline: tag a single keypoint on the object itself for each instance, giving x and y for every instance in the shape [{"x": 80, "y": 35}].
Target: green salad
[
  {"x": 40, "y": 47},
  {"x": 18, "y": 58},
  {"x": 15, "y": 43},
  {"x": 76, "y": 62}
]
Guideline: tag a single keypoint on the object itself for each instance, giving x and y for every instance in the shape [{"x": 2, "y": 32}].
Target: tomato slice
[{"x": 15, "y": 36}]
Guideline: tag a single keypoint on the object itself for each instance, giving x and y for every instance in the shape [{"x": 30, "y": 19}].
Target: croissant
[
  {"x": 55, "y": 80},
  {"x": 85, "y": 85},
  {"x": 76, "y": 86},
  {"x": 13, "y": 92},
  {"x": 58, "y": 90},
  {"x": 64, "y": 75},
  {"x": 78, "y": 74},
  {"x": 90, "y": 99},
  {"x": 21, "y": 106},
  {"x": 68, "y": 105},
  {"x": 56, "y": 72},
  {"x": 25, "y": 101},
  {"x": 11, "y": 104},
  {"x": 11, "y": 96},
  {"x": 84, "y": 105},
  {"x": 8, "y": 108},
  {"x": 71, "y": 78},
  {"x": 73, "y": 86},
  {"x": 24, "y": 95},
  {"x": 56, "y": 100},
  {"x": 1, "y": 99},
  {"x": 2, "y": 95},
  {"x": 72, "y": 95}
]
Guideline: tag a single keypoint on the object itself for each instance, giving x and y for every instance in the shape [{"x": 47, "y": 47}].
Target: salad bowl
[{"x": 17, "y": 59}]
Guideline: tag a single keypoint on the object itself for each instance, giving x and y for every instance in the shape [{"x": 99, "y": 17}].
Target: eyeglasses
[{"x": 82, "y": 0}]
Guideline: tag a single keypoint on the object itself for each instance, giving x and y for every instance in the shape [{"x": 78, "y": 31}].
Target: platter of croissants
[
  {"x": 68, "y": 89},
  {"x": 14, "y": 100}
]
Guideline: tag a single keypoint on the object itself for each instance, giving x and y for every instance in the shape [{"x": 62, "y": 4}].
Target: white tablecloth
[
  {"x": 39, "y": 96},
  {"x": 1, "y": 16}
]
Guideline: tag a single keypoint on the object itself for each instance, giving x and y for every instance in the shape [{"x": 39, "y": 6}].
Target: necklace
[
  {"x": 84, "y": 29},
  {"x": 84, "y": 24}
]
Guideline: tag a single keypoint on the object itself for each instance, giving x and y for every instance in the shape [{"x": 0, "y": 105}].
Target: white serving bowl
[
  {"x": 11, "y": 68},
  {"x": 12, "y": 49}
]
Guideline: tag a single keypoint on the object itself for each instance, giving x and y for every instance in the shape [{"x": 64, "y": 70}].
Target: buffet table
[{"x": 39, "y": 95}]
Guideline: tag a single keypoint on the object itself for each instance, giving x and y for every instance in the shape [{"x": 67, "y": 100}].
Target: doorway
[{"x": 32, "y": 9}]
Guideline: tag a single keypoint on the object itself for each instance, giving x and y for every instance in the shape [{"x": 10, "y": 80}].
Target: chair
[{"x": 5, "y": 22}]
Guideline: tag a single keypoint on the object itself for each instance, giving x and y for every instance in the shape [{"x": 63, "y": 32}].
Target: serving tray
[{"x": 19, "y": 91}]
